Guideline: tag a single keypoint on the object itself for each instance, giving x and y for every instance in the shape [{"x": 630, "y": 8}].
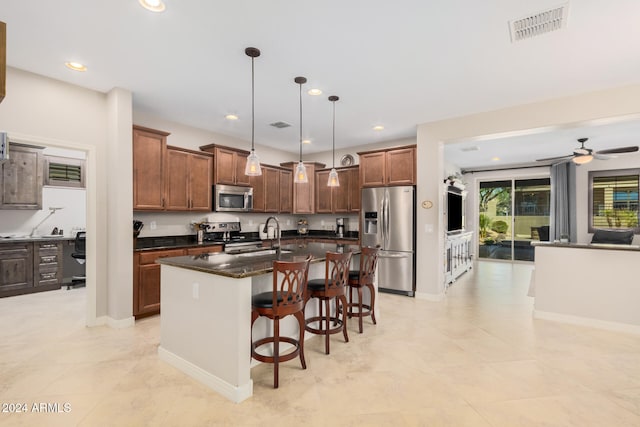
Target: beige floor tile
[
  {"x": 478, "y": 358},
  {"x": 576, "y": 410}
]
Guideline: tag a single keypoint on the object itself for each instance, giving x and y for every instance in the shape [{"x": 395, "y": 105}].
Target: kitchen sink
[{"x": 263, "y": 253}]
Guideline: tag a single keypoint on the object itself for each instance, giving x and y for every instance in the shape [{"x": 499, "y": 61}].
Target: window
[
  {"x": 64, "y": 172},
  {"x": 613, "y": 200}
]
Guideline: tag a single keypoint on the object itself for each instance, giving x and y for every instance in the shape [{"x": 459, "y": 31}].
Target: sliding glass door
[{"x": 511, "y": 214}]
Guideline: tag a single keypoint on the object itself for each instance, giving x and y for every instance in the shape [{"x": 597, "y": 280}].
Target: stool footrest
[
  {"x": 281, "y": 357},
  {"x": 321, "y": 331},
  {"x": 366, "y": 310}
]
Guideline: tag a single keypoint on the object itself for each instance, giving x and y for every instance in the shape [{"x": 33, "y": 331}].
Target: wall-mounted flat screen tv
[{"x": 455, "y": 211}]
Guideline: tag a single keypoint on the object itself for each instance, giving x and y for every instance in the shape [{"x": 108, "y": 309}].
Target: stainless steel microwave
[{"x": 231, "y": 198}]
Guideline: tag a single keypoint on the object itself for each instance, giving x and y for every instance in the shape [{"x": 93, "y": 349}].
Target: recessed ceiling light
[
  {"x": 495, "y": 159},
  {"x": 306, "y": 141},
  {"x": 76, "y": 66},
  {"x": 378, "y": 127},
  {"x": 314, "y": 92},
  {"x": 153, "y": 5},
  {"x": 231, "y": 117}
]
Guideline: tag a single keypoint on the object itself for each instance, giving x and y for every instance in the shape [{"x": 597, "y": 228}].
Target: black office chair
[{"x": 79, "y": 253}]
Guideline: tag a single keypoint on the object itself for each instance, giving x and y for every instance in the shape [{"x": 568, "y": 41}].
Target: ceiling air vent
[
  {"x": 539, "y": 23},
  {"x": 280, "y": 125}
]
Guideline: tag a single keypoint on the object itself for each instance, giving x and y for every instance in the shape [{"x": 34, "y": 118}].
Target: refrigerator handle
[{"x": 386, "y": 218}]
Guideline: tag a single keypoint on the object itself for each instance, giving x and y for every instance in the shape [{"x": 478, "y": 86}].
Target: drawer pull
[
  {"x": 47, "y": 276},
  {"x": 48, "y": 259},
  {"x": 48, "y": 245}
]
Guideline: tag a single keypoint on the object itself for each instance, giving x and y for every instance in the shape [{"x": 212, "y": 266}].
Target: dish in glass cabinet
[{"x": 346, "y": 160}]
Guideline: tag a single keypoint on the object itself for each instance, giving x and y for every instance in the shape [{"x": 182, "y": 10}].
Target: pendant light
[
  {"x": 333, "y": 175},
  {"x": 253, "y": 162},
  {"x": 300, "y": 176}
]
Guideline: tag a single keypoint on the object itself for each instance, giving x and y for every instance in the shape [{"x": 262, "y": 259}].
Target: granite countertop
[
  {"x": 610, "y": 246},
  {"x": 20, "y": 238},
  {"x": 189, "y": 241},
  {"x": 254, "y": 263}
]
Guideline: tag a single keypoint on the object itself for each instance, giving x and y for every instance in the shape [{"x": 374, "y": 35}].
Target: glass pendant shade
[
  {"x": 253, "y": 162},
  {"x": 253, "y": 165},
  {"x": 581, "y": 160},
  {"x": 301, "y": 174},
  {"x": 333, "y": 178}
]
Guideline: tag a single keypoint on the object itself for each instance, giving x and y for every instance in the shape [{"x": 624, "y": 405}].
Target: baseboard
[
  {"x": 120, "y": 323},
  {"x": 235, "y": 394},
  {"x": 430, "y": 297},
  {"x": 98, "y": 321},
  {"x": 585, "y": 321}
]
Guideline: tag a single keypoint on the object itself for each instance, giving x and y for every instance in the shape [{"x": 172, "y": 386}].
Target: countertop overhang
[
  {"x": 610, "y": 246},
  {"x": 239, "y": 266}
]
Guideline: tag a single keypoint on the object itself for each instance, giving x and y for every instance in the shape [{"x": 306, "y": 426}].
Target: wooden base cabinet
[
  {"x": 28, "y": 267},
  {"x": 146, "y": 280},
  {"x": 146, "y": 276}
]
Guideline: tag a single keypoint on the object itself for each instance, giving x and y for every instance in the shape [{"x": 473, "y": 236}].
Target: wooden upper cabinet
[
  {"x": 401, "y": 166},
  {"x": 188, "y": 180},
  {"x": 3, "y": 60},
  {"x": 229, "y": 164},
  {"x": 271, "y": 177},
  {"x": 340, "y": 195},
  {"x": 304, "y": 194},
  {"x": 395, "y": 166},
  {"x": 286, "y": 191},
  {"x": 354, "y": 189},
  {"x": 149, "y": 163},
  {"x": 169, "y": 178},
  {"x": 373, "y": 169},
  {"x": 200, "y": 180},
  {"x": 342, "y": 199},
  {"x": 177, "y": 195},
  {"x": 323, "y": 192},
  {"x": 259, "y": 197},
  {"x": 21, "y": 178}
]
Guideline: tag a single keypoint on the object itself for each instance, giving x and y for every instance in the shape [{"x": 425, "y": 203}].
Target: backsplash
[{"x": 179, "y": 223}]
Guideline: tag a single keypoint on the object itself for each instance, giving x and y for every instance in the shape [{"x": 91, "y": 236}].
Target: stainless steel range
[{"x": 229, "y": 234}]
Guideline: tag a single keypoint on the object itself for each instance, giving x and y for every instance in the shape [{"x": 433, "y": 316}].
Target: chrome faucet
[{"x": 266, "y": 229}]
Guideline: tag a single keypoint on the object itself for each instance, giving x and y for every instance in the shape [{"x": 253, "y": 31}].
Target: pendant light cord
[
  {"x": 253, "y": 120},
  {"x": 301, "y": 122},
  {"x": 334, "y": 135}
]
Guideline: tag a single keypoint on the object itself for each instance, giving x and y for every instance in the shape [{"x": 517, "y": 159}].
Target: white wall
[{"x": 49, "y": 112}]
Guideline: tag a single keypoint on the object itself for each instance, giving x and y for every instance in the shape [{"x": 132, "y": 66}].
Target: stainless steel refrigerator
[{"x": 388, "y": 219}]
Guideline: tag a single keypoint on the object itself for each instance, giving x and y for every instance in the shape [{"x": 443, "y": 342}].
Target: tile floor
[{"x": 476, "y": 359}]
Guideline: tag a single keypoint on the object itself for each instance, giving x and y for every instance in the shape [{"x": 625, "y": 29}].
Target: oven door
[{"x": 229, "y": 198}]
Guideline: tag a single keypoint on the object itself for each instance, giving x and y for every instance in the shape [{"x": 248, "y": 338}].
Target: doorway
[{"x": 511, "y": 214}]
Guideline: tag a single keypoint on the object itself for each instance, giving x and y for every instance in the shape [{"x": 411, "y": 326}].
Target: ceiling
[{"x": 396, "y": 64}]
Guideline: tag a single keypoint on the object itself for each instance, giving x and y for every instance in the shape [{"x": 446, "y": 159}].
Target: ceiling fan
[{"x": 582, "y": 155}]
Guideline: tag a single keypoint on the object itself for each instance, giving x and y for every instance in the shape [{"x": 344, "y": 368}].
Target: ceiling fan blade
[
  {"x": 603, "y": 156},
  {"x": 548, "y": 159},
  {"x": 619, "y": 150}
]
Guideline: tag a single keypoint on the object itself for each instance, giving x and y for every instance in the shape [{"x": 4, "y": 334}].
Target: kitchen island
[
  {"x": 593, "y": 285},
  {"x": 205, "y": 325}
]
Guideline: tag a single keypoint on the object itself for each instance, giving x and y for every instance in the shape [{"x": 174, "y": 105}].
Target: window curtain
[{"x": 563, "y": 201}]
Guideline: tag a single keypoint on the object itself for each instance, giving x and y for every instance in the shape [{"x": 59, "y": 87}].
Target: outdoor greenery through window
[{"x": 613, "y": 199}]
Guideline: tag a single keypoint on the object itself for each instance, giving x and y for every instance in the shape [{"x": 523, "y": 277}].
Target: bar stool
[
  {"x": 333, "y": 286},
  {"x": 287, "y": 298},
  {"x": 359, "y": 279}
]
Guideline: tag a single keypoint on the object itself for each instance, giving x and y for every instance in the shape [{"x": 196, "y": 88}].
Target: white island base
[{"x": 205, "y": 325}]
